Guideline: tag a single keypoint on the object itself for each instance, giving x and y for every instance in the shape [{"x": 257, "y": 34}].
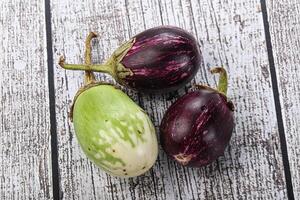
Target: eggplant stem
[
  {"x": 112, "y": 66},
  {"x": 223, "y": 80},
  {"x": 104, "y": 68},
  {"x": 89, "y": 76}
]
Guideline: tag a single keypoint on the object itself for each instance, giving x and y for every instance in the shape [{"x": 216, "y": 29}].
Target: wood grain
[
  {"x": 284, "y": 20},
  {"x": 230, "y": 33},
  {"x": 25, "y": 162}
]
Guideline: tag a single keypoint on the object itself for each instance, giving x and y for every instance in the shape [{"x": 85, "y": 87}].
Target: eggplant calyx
[
  {"x": 123, "y": 49},
  {"x": 205, "y": 87},
  {"x": 117, "y": 70},
  {"x": 83, "y": 89},
  {"x": 222, "y": 85},
  {"x": 120, "y": 71}
]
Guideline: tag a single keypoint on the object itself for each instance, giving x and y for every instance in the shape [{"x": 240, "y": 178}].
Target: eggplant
[
  {"x": 196, "y": 128},
  {"x": 160, "y": 59},
  {"x": 114, "y": 132}
]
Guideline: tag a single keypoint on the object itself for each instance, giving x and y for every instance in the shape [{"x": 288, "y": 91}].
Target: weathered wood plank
[
  {"x": 25, "y": 161},
  {"x": 284, "y": 20},
  {"x": 231, "y": 34}
]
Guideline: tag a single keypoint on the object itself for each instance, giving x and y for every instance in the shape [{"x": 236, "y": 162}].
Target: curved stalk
[
  {"x": 89, "y": 76},
  {"x": 223, "y": 80}
]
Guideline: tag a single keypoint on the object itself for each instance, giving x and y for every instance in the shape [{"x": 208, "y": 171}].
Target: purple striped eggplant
[
  {"x": 197, "y": 128},
  {"x": 159, "y": 59}
]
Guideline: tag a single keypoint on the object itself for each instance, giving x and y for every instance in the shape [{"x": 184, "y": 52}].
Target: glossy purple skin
[
  {"x": 197, "y": 128},
  {"x": 164, "y": 58}
]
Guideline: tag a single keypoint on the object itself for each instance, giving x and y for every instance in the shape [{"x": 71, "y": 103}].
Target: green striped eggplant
[{"x": 114, "y": 132}]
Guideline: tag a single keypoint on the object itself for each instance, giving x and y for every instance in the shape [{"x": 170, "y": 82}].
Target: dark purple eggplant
[
  {"x": 159, "y": 59},
  {"x": 197, "y": 128}
]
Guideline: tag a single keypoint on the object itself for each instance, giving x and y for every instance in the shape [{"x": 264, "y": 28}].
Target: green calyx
[
  {"x": 222, "y": 85},
  {"x": 112, "y": 66},
  {"x": 84, "y": 88}
]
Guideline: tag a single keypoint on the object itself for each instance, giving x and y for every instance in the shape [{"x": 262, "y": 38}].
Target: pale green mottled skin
[{"x": 114, "y": 132}]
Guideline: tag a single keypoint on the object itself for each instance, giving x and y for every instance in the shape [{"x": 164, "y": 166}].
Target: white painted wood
[
  {"x": 25, "y": 161},
  {"x": 284, "y": 22},
  {"x": 231, "y": 33}
]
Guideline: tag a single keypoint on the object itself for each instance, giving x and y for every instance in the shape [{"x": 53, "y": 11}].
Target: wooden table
[{"x": 257, "y": 41}]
